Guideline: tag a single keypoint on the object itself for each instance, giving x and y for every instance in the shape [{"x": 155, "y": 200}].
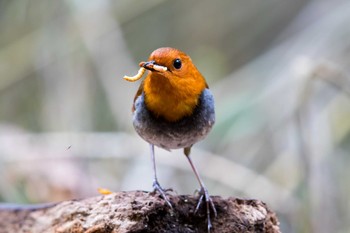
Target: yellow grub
[
  {"x": 137, "y": 76},
  {"x": 160, "y": 68},
  {"x": 104, "y": 191}
]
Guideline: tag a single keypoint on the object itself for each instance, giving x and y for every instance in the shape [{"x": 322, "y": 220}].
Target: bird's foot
[
  {"x": 162, "y": 192},
  {"x": 209, "y": 204}
]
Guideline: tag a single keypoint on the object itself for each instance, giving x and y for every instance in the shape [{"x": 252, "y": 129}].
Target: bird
[{"x": 173, "y": 109}]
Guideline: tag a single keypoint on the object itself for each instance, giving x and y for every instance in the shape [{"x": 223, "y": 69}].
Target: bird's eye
[{"x": 177, "y": 63}]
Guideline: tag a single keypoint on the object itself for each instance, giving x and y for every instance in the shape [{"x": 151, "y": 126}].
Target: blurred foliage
[{"x": 279, "y": 71}]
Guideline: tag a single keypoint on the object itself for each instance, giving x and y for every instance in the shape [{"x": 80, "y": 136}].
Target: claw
[
  {"x": 162, "y": 192},
  {"x": 204, "y": 194}
]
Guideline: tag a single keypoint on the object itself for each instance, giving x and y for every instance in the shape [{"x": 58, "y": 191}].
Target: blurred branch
[
  {"x": 92, "y": 146},
  {"x": 15, "y": 60},
  {"x": 103, "y": 39}
]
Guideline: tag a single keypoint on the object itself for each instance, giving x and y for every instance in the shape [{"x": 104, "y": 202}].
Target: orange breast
[{"x": 172, "y": 98}]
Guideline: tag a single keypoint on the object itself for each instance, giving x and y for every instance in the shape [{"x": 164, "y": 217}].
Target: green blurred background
[{"x": 279, "y": 71}]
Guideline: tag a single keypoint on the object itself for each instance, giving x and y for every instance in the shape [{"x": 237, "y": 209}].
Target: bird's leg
[
  {"x": 156, "y": 185},
  {"x": 203, "y": 192}
]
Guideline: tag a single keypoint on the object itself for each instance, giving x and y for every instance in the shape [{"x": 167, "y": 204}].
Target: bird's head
[{"x": 174, "y": 65}]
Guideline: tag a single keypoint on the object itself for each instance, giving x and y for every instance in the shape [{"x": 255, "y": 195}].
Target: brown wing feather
[{"x": 138, "y": 93}]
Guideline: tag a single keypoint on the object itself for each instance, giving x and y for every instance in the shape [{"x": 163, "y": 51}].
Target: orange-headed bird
[{"x": 174, "y": 108}]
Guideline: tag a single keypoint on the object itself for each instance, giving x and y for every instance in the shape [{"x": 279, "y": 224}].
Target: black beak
[{"x": 149, "y": 65}]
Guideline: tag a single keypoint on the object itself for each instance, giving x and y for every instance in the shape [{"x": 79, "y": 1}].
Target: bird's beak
[
  {"x": 152, "y": 66},
  {"x": 148, "y": 65}
]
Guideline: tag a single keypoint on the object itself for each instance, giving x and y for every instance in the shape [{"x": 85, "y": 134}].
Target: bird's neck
[{"x": 171, "y": 100}]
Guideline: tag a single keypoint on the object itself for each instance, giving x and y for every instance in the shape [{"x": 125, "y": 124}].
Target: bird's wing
[{"x": 138, "y": 93}]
